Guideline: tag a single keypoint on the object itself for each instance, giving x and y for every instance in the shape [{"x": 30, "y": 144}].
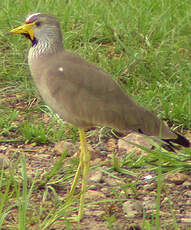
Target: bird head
[{"x": 40, "y": 27}]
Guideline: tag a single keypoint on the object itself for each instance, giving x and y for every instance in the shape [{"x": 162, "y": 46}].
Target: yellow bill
[{"x": 25, "y": 29}]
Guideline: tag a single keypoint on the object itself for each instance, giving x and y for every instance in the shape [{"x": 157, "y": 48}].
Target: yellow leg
[
  {"x": 74, "y": 183},
  {"x": 85, "y": 159},
  {"x": 84, "y": 164}
]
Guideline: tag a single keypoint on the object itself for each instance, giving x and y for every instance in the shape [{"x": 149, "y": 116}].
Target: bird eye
[{"x": 38, "y": 24}]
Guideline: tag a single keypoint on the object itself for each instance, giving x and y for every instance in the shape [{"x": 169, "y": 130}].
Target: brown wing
[{"x": 85, "y": 96}]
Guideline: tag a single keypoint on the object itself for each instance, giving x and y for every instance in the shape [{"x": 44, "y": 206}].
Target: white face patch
[
  {"x": 30, "y": 16},
  {"x": 60, "y": 69}
]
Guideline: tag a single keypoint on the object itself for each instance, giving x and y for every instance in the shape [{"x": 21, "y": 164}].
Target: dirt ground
[
  {"x": 132, "y": 201},
  {"x": 129, "y": 212}
]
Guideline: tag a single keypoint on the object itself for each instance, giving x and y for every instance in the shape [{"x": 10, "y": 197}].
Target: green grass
[{"x": 145, "y": 45}]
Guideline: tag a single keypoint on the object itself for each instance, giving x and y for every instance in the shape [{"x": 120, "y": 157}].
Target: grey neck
[{"x": 44, "y": 47}]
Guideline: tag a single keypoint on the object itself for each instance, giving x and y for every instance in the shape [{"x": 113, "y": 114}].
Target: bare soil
[{"x": 131, "y": 208}]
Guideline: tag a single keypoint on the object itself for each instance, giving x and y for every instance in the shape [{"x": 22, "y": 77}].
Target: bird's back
[{"x": 84, "y": 95}]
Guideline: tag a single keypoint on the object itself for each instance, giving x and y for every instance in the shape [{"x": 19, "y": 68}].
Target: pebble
[
  {"x": 132, "y": 208},
  {"x": 112, "y": 182},
  {"x": 176, "y": 178},
  {"x": 134, "y": 138},
  {"x": 94, "y": 195},
  {"x": 61, "y": 146},
  {"x": 95, "y": 176}
]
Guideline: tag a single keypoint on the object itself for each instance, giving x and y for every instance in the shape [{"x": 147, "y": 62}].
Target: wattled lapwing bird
[{"x": 83, "y": 94}]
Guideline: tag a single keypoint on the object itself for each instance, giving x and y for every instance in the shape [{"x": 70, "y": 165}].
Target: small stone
[
  {"x": 94, "y": 195},
  {"x": 112, "y": 182},
  {"x": 176, "y": 178},
  {"x": 95, "y": 176},
  {"x": 132, "y": 208},
  {"x": 61, "y": 146},
  {"x": 124, "y": 144}
]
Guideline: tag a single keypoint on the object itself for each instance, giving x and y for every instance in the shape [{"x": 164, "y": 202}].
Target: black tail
[
  {"x": 180, "y": 140},
  {"x": 169, "y": 146}
]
